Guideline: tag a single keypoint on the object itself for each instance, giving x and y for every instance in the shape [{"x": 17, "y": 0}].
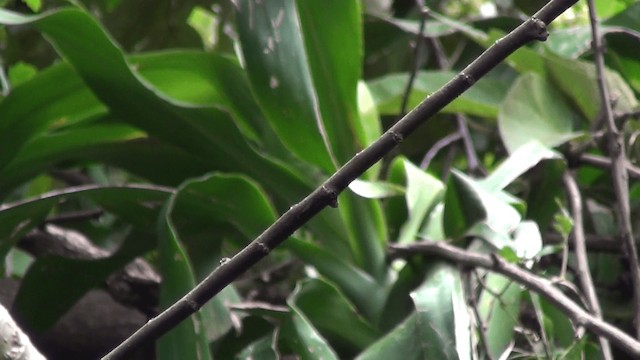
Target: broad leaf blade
[
  {"x": 276, "y": 62},
  {"x": 534, "y": 110},
  {"x": 333, "y": 315},
  {"x": 187, "y": 339},
  {"x": 444, "y": 319}
]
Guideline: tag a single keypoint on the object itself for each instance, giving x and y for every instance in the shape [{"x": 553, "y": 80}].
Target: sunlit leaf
[{"x": 534, "y": 110}]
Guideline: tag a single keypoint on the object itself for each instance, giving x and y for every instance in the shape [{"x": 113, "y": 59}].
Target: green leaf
[
  {"x": 262, "y": 348},
  {"x": 305, "y": 75},
  {"x": 273, "y": 50},
  {"x": 403, "y": 342},
  {"x": 54, "y": 97},
  {"x": 577, "y": 79},
  {"x": 500, "y": 315},
  {"x": 570, "y": 43},
  {"x": 226, "y": 198},
  {"x": 368, "y": 129},
  {"x": 367, "y": 232},
  {"x": 62, "y": 145},
  {"x": 206, "y": 132},
  {"x": 332, "y": 314},
  {"x": 483, "y": 99},
  {"x": 444, "y": 321},
  {"x": 527, "y": 240},
  {"x": 302, "y": 337},
  {"x": 424, "y": 192},
  {"x": 542, "y": 200},
  {"x": 187, "y": 339},
  {"x": 439, "y": 328},
  {"x": 463, "y": 206},
  {"x": 21, "y": 72},
  {"x": 34, "y": 5},
  {"x": 375, "y": 189},
  {"x": 484, "y": 214},
  {"x": 205, "y": 79},
  {"x": 534, "y": 110},
  {"x": 253, "y": 327},
  {"x": 155, "y": 161},
  {"x": 519, "y": 161},
  {"x": 557, "y": 325},
  {"x": 335, "y": 62},
  {"x": 358, "y": 286}
]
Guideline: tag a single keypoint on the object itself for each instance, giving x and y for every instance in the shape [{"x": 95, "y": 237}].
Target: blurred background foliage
[{"x": 174, "y": 132}]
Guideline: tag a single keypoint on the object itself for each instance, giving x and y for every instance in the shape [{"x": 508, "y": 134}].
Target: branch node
[
  {"x": 332, "y": 196},
  {"x": 539, "y": 29},
  {"x": 224, "y": 260},
  {"x": 470, "y": 80},
  {"x": 396, "y": 136},
  {"x": 263, "y": 247},
  {"x": 193, "y": 305}
]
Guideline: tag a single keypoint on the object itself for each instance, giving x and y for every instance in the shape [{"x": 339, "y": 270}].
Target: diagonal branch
[
  {"x": 618, "y": 166},
  {"x": 327, "y": 194}
]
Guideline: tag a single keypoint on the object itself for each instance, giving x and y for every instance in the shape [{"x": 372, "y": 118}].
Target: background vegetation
[{"x": 165, "y": 136}]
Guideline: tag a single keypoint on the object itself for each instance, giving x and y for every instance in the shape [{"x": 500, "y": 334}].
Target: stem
[{"x": 582, "y": 261}]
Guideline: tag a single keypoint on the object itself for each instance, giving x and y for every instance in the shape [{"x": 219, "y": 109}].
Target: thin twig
[
  {"x": 627, "y": 115},
  {"x": 540, "y": 285},
  {"x": 463, "y": 128},
  {"x": 619, "y": 166},
  {"x": 482, "y": 326},
  {"x": 74, "y": 216},
  {"x": 622, "y": 30},
  {"x": 472, "y": 157},
  {"x": 327, "y": 194},
  {"x": 580, "y": 250},
  {"x": 594, "y": 243},
  {"x": 605, "y": 163},
  {"x": 84, "y": 188},
  {"x": 417, "y": 52},
  {"x": 439, "y": 145}
]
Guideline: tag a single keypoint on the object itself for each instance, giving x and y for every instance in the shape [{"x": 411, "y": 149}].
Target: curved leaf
[
  {"x": 333, "y": 315},
  {"x": 55, "y": 96},
  {"x": 444, "y": 321},
  {"x": 534, "y": 110},
  {"x": 187, "y": 339},
  {"x": 463, "y": 206},
  {"x": 358, "y": 286},
  {"x": 273, "y": 51},
  {"x": 577, "y": 79},
  {"x": 302, "y": 337}
]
